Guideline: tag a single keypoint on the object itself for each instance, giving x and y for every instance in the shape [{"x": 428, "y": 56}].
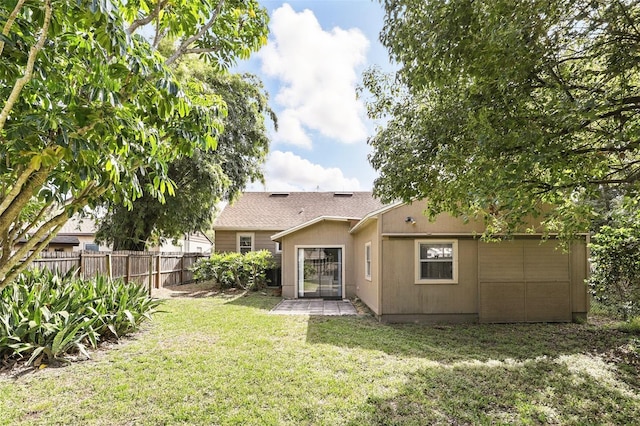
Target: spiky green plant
[{"x": 46, "y": 316}]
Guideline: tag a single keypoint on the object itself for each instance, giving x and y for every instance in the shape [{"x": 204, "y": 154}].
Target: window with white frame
[
  {"x": 436, "y": 261},
  {"x": 367, "y": 261},
  {"x": 278, "y": 247},
  {"x": 245, "y": 242}
]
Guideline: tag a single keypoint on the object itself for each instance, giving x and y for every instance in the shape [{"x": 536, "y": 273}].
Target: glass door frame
[{"x": 300, "y": 283}]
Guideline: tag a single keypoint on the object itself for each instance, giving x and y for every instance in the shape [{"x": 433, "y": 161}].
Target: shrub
[
  {"x": 631, "y": 326},
  {"x": 255, "y": 266},
  {"x": 615, "y": 256},
  {"x": 45, "y": 316},
  {"x": 248, "y": 271}
]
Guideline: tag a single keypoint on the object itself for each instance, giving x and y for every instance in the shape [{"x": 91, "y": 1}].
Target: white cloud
[
  {"x": 285, "y": 171},
  {"x": 317, "y": 70},
  {"x": 290, "y": 130}
]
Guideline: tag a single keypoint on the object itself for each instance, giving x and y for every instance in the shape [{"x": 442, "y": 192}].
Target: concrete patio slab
[{"x": 314, "y": 307}]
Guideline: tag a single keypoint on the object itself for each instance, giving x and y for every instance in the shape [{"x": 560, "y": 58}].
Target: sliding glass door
[{"x": 320, "y": 272}]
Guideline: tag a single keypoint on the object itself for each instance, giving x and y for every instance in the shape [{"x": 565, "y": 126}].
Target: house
[
  {"x": 59, "y": 243},
  {"x": 79, "y": 234},
  {"x": 84, "y": 231},
  {"x": 75, "y": 235},
  {"x": 404, "y": 267},
  {"x": 190, "y": 242},
  {"x": 249, "y": 223}
]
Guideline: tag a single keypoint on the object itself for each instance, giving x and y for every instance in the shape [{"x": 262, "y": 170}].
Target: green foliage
[
  {"x": 615, "y": 257},
  {"x": 243, "y": 144},
  {"x": 505, "y": 110},
  {"x": 45, "y": 316},
  {"x": 205, "y": 178},
  {"x": 233, "y": 362},
  {"x": 309, "y": 269},
  {"x": 248, "y": 271},
  {"x": 200, "y": 180},
  {"x": 91, "y": 110},
  {"x": 255, "y": 266},
  {"x": 632, "y": 326}
]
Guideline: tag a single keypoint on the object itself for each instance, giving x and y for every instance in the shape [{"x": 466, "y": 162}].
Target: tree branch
[
  {"x": 185, "y": 45},
  {"x": 561, "y": 82},
  {"x": 15, "y": 264},
  {"x": 158, "y": 37},
  {"x": 635, "y": 100},
  {"x": 12, "y": 212},
  {"x": 605, "y": 149},
  {"x": 16, "y": 188},
  {"x": 201, "y": 50},
  {"x": 144, "y": 21},
  {"x": 546, "y": 188},
  {"x": 629, "y": 19},
  {"x": 33, "y": 53},
  {"x": 33, "y": 222},
  {"x": 10, "y": 21}
]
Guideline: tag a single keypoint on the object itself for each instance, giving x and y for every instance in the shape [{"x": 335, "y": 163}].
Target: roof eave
[
  {"x": 374, "y": 215},
  {"x": 308, "y": 223},
  {"x": 246, "y": 228}
]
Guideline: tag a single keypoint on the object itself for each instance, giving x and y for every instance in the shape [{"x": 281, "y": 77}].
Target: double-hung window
[
  {"x": 367, "y": 261},
  {"x": 245, "y": 242},
  {"x": 436, "y": 261}
]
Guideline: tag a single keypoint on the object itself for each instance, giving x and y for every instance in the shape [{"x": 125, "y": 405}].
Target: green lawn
[{"x": 217, "y": 360}]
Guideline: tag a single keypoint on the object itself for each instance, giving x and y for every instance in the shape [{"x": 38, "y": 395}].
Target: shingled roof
[{"x": 278, "y": 211}]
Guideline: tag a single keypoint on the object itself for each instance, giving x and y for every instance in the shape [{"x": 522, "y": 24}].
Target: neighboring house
[
  {"x": 79, "y": 234},
  {"x": 59, "y": 243},
  {"x": 196, "y": 242},
  {"x": 84, "y": 230},
  {"x": 406, "y": 268}
]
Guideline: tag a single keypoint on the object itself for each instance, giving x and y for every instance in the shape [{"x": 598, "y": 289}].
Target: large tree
[
  {"x": 503, "y": 110},
  {"x": 88, "y": 105},
  {"x": 205, "y": 178}
]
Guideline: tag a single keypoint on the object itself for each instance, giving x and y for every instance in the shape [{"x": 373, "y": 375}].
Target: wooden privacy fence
[{"x": 153, "y": 269}]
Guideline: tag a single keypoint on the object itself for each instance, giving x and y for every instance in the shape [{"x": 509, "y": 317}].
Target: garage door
[{"x": 523, "y": 281}]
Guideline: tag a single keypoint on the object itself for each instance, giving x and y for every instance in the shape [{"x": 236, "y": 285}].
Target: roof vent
[
  {"x": 279, "y": 194},
  {"x": 343, "y": 194}
]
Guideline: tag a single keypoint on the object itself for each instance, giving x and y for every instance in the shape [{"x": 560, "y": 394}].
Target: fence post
[
  {"x": 82, "y": 265},
  {"x": 128, "y": 264},
  {"x": 109, "y": 267},
  {"x": 159, "y": 271},
  {"x": 182, "y": 269},
  {"x": 150, "y": 273}
]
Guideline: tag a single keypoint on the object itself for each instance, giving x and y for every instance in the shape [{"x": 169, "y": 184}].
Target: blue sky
[{"x": 311, "y": 66}]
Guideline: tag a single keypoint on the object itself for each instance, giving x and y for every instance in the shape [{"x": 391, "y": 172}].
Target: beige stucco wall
[
  {"x": 367, "y": 289},
  {"x": 89, "y": 239},
  {"x": 325, "y": 233},
  {"x": 545, "y": 271},
  {"x": 532, "y": 280},
  {"x": 401, "y": 299},
  {"x": 393, "y": 221},
  {"x": 225, "y": 241},
  {"x": 402, "y": 296}
]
